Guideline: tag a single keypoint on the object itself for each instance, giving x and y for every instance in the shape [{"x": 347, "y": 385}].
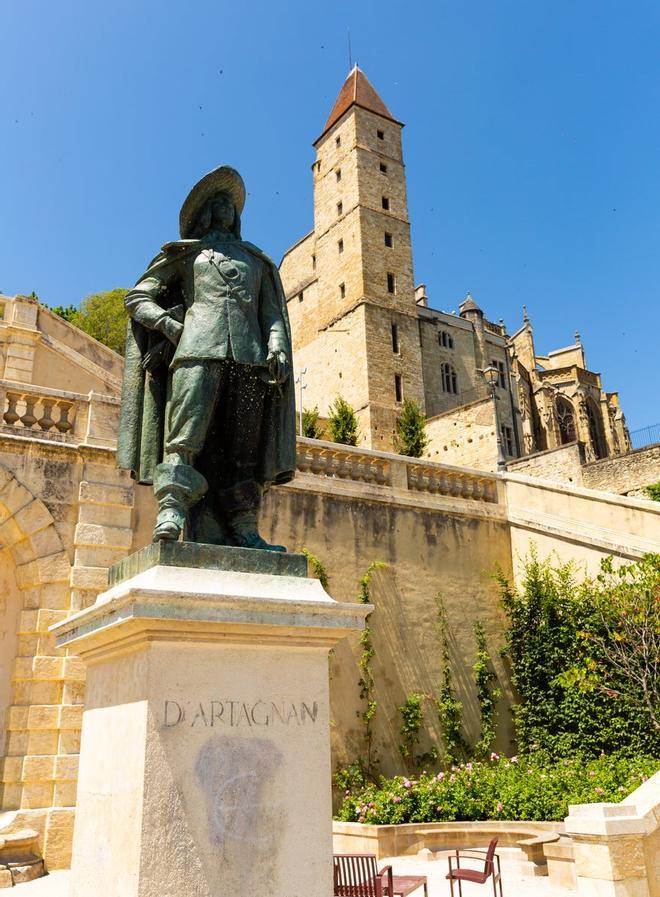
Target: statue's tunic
[{"x": 232, "y": 310}]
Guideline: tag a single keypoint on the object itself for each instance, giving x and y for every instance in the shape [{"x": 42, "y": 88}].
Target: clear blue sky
[{"x": 532, "y": 147}]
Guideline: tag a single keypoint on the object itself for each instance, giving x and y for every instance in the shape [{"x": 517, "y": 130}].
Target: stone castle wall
[
  {"x": 563, "y": 464},
  {"x": 464, "y": 436},
  {"x": 625, "y": 474}
]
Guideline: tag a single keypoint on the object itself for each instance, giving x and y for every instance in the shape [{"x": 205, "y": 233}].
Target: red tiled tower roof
[{"x": 357, "y": 90}]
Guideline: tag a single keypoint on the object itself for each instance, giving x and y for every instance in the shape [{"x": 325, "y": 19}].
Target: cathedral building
[{"x": 363, "y": 330}]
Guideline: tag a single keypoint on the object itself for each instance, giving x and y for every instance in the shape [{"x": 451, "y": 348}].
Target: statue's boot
[
  {"x": 243, "y": 525},
  {"x": 177, "y": 488}
]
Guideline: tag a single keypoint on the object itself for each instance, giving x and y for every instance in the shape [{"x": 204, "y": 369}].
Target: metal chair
[
  {"x": 461, "y": 873},
  {"x": 357, "y": 875}
]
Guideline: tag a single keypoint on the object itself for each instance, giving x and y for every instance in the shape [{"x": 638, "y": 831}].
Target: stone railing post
[{"x": 608, "y": 845}]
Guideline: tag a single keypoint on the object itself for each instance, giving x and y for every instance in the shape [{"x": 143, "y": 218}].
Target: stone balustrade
[
  {"x": 395, "y": 471},
  {"x": 39, "y": 410},
  {"x": 58, "y": 415}
]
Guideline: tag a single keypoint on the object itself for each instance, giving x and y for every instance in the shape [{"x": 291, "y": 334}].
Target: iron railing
[{"x": 645, "y": 436}]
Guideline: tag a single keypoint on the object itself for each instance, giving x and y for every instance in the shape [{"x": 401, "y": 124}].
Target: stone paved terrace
[{"x": 514, "y": 883}]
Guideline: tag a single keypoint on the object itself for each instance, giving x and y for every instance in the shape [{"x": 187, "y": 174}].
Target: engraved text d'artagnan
[{"x": 238, "y": 714}]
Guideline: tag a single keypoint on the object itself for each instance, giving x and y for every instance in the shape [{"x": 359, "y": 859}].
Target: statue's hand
[
  {"x": 171, "y": 328},
  {"x": 278, "y": 366}
]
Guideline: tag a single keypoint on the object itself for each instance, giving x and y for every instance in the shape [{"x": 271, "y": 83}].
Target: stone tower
[{"x": 349, "y": 282}]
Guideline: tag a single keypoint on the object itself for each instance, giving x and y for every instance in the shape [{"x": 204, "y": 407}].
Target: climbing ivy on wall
[
  {"x": 579, "y": 651},
  {"x": 487, "y": 694},
  {"x": 448, "y": 706},
  {"x": 366, "y": 681}
]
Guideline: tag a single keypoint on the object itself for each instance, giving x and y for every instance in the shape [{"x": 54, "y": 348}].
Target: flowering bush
[{"x": 501, "y": 788}]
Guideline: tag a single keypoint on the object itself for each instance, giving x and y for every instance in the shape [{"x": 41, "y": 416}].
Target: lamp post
[
  {"x": 302, "y": 385},
  {"x": 492, "y": 375}
]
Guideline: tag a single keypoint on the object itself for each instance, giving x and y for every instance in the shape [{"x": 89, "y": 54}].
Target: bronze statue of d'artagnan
[{"x": 207, "y": 411}]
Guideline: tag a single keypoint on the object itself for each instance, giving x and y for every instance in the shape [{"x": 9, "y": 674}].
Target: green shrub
[
  {"x": 653, "y": 491},
  {"x": 410, "y": 437},
  {"x": 342, "y": 423},
  {"x": 310, "y": 423},
  {"x": 501, "y": 788},
  {"x": 576, "y": 646}
]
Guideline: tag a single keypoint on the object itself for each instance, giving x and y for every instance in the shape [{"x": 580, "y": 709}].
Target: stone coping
[
  {"x": 207, "y": 557},
  {"x": 193, "y": 604},
  {"x": 410, "y": 838}
]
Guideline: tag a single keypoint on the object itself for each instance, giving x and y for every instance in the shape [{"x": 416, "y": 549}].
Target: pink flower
[
  {"x": 372, "y": 806},
  {"x": 513, "y": 760},
  {"x": 468, "y": 766},
  {"x": 407, "y": 784},
  {"x": 396, "y": 799},
  {"x": 494, "y": 756},
  {"x": 500, "y": 807},
  {"x": 361, "y": 819},
  {"x": 440, "y": 776},
  {"x": 439, "y": 809},
  {"x": 599, "y": 790}
]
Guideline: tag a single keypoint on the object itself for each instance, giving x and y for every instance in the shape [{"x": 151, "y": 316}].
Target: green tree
[
  {"x": 621, "y": 636},
  {"x": 310, "y": 424},
  {"x": 342, "y": 423},
  {"x": 410, "y": 438},
  {"x": 103, "y": 316},
  {"x": 584, "y": 657},
  {"x": 68, "y": 312},
  {"x": 653, "y": 491}
]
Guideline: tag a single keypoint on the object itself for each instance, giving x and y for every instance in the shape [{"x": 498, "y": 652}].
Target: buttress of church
[{"x": 362, "y": 330}]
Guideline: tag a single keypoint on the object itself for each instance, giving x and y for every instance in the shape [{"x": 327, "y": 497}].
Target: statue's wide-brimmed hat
[{"x": 221, "y": 180}]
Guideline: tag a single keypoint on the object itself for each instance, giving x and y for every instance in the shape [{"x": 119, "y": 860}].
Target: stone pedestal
[{"x": 205, "y": 755}]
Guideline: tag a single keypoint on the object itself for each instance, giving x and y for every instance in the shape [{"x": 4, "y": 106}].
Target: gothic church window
[
  {"x": 565, "y": 420},
  {"x": 449, "y": 379},
  {"x": 446, "y": 340},
  {"x": 595, "y": 429},
  {"x": 507, "y": 439}
]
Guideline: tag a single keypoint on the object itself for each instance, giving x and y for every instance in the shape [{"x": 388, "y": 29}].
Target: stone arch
[{"x": 43, "y": 721}]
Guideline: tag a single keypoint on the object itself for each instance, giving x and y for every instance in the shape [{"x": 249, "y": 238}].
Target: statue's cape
[{"x": 145, "y": 394}]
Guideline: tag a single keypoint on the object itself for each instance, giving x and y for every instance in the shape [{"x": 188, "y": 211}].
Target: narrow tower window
[
  {"x": 381, "y": 135},
  {"x": 501, "y": 378},
  {"x": 340, "y": 246},
  {"x": 388, "y": 239},
  {"x": 385, "y": 202},
  {"x": 340, "y": 208},
  {"x": 300, "y": 296},
  {"x": 313, "y": 263},
  {"x": 338, "y": 174},
  {"x": 391, "y": 282},
  {"x": 383, "y": 168},
  {"x": 342, "y": 290},
  {"x": 395, "y": 339},
  {"x": 398, "y": 388},
  {"x": 337, "y": 141}
]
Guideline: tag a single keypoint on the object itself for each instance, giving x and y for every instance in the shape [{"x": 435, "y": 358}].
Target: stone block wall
[
  {"x": 465, "y": 436},
  {"x": 625, "y": 474},
  {"x": 563, "y": 464}
]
